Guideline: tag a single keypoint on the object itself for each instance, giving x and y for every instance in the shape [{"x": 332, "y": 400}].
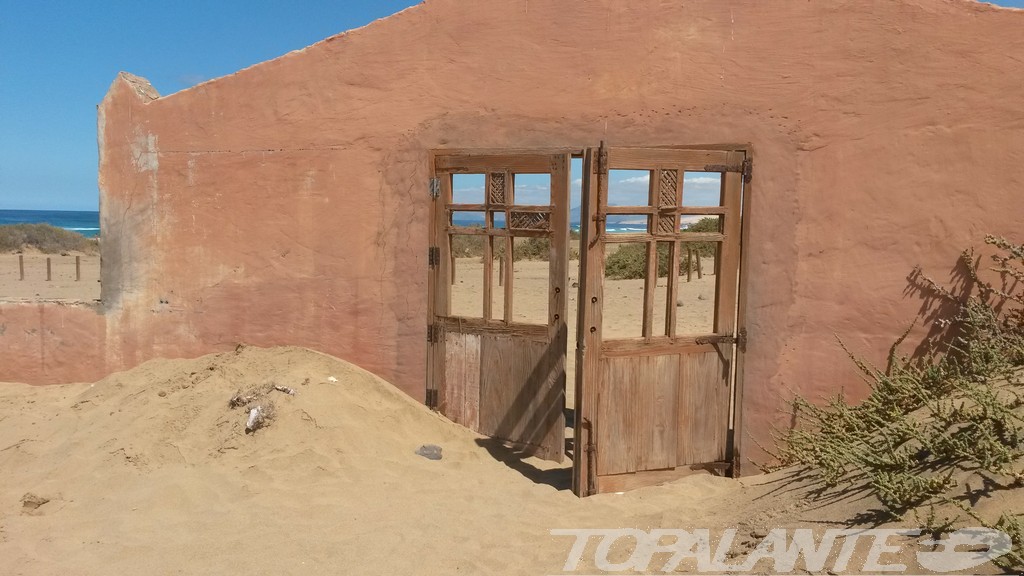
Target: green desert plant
[
  {"x": 45, "y": 238},
  {"x": 472, "y": 246},
  {"x": 953, "y": 413},
  {"x": 629, "y": 261}
]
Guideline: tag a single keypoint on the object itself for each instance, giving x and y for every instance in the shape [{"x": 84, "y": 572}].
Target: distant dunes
[{"x": 44, "y": 238}]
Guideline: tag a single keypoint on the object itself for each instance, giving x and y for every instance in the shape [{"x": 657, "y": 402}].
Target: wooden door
[
  {"x": 499, "y": 261},
  {"x": 657, "y": 355}
]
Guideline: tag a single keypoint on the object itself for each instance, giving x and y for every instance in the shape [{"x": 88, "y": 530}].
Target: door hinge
[
  {"x": 431, "y": 399},
  {"x": 433, "y": 256},
  {"x": 739, "y": 339},
  {"x": 433, "y": 333},
  {"x": 435, "y": 188},
  {"x": 746, "y": 168}
]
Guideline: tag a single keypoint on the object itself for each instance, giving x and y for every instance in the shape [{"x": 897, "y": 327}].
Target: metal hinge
[
  {"x": 431, "y": 399},
  {"x": 433, "y": 256},
  {"x": 740, "y": 338},
  {"x": 746, "y": 168},
  {"x": 433, "y": 333},
  {"x": 435, "y": 187}
]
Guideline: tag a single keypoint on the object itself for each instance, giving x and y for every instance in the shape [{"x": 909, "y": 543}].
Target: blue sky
[{"x": 57, "y": 60}]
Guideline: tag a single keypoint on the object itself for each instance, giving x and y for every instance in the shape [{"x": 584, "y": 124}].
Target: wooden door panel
[
  {"x": 499, "y": 376},
  {"x": 616, "y": 407},
  {"x": 658, "y": 384},
  {"x": 522, "y": 392},
  {"x": 703, "y": 408},
  {"x": 462, "y": 369},
  {"x": 656, "y": 406}
]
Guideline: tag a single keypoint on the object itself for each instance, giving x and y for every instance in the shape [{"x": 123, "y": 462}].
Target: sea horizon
[{"x": 84, "y": 222}]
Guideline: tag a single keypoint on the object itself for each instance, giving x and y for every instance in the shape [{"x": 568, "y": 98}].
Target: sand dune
[{"x": 150, "y": 472}]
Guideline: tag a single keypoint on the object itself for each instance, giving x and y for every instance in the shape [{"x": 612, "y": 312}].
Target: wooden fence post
[
  {"x": 689, "y": 264},
  {"x": 21, "y": 266},
  {"x": 699, "y": 273},
  {"x": 48, "y": 275},
  {"x": 78, "y": 268},
  {"x": 501, "y": 270}
]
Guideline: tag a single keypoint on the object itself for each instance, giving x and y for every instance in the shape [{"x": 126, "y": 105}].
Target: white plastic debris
[
  {"x": 255, "y": 419},
  {"x": 332, "y": 379},
  {"x": 429, "y": 451}
]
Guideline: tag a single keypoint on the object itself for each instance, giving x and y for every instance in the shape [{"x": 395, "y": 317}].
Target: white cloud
[
  {"x": 699, "y": 180},
  {"x": 636, "y": 179}
]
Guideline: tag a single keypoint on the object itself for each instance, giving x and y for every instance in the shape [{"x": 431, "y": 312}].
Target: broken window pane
[
  {"x": 466, "y": 275},
  {"x": 629, "y": 187},
  {"x": 623, "y": 305},
  {"x": 531, "y": 189},
  {"x": 467, "y": 188},
  {"x": 702, "y": 189},
  {"x": 697, "y": 288},
  {"x": 530, "y": 280}
]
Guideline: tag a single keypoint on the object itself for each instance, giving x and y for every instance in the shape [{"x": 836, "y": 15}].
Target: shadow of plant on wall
[{"x": 944, "y": 426}]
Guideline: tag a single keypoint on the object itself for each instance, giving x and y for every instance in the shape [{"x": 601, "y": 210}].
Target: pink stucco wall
[{"x": 286, "y": 204}]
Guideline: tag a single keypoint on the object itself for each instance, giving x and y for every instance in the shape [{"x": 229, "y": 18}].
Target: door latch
[{"x": 740, "y": 339}]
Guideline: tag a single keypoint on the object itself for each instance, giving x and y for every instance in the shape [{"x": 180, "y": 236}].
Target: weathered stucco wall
[{"x": 285, "y": 204}]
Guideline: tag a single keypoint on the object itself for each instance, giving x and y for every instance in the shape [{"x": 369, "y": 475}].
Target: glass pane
[
  {"x": 629, "y": 187},
  {"x": 702, "y": 189},
  {"x": 530, "y": 282},
  {"x": 467, "y": 188},
  {"x": 697, "y": 288},
  {"x": 659, "y": 327},
  {"x": 468, "y": 219},
  {"x": 575, "y": 193},
  {"x": 467, "y": 276},
  {"x": 498, "y": 279},
  {"x": 531, "y": 189},
  {"x": 701, "y": 223},
  {"x": 626, "y": 223},
  {"x": 623, "y": 306}
]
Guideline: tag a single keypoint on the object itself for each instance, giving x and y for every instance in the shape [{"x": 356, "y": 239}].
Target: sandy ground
[
  {"x": 149, "y": 471},
  {"x": 62, "y": 286},
  {"x": 624, "y": 301}
]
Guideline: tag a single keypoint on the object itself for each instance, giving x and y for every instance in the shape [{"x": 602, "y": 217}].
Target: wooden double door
[
  {"x": 499, "y": 278},
  {"x": 659, "y": 338}
]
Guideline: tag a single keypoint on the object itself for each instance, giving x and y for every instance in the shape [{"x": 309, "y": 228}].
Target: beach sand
[
  {"x": 62, "y": 286},
  {"x": 150, "y": 472}
]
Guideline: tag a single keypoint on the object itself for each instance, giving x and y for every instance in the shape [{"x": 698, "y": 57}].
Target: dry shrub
[
  {"x": 45, "y": 238},
  {"x": 930, "y": 422}
]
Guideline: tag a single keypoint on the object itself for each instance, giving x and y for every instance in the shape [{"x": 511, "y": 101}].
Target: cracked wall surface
[{"x": 286, "y": 203}]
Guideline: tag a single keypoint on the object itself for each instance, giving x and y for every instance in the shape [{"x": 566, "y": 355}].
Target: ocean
[
  {"x": 85, "y": 223},
  {"x": 88, "y": 223},
  {"x": 614, "y": 224}
]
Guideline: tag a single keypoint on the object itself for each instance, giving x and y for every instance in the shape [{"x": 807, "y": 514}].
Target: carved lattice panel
[
  {"x": 667, "y": 223},
  {"x": 530, "y": 220},
  {"x": 496, "y": 188},
  {"x": 669, "y": 185}
]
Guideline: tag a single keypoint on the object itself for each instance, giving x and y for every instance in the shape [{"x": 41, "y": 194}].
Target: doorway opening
[{"x": 586, "y": 304}]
